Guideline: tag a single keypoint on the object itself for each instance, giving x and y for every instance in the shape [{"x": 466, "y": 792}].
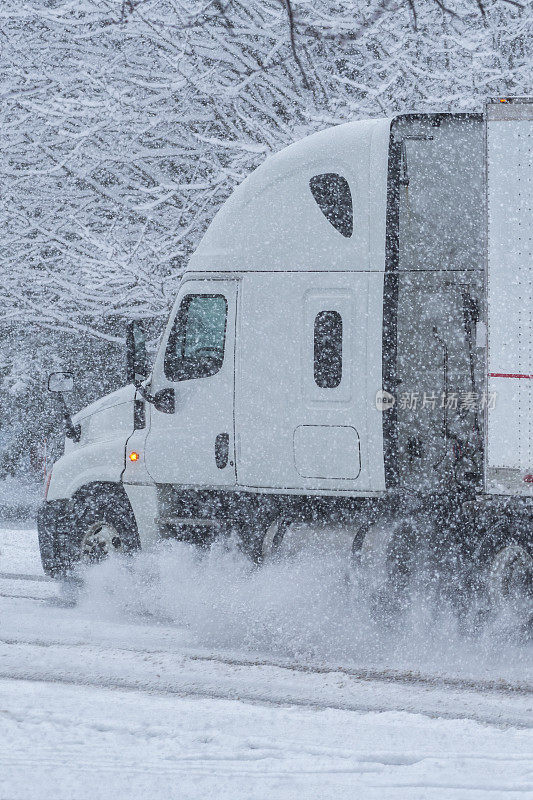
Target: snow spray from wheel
[{"x": 308, "y": 605}]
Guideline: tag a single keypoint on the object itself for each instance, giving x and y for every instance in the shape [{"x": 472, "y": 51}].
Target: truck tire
[
  {"x": 257, "y": 538},
  {"x": 103, "y": 524},
  {"x": 383, "y": 556},
  {"x": 89, "y": 528},
  {"x": 503, "y": 573},
  {"x": 272, "y": 538},
  {"x": 248, "y": 536}
]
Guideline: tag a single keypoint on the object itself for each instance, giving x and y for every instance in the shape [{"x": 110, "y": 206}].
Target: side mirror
[
  {"x": 164, "y": 400},
  {"x": 136, "y": 356},
  {"x": 60, "y": 382}
]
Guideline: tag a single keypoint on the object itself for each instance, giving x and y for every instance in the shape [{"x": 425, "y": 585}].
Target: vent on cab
[{"x": 334, "y": 198}]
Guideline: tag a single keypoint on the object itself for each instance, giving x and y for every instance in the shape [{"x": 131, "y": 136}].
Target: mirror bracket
[
  {"x": 136, "y": 355},
  {"x": 72, "y": 431}
]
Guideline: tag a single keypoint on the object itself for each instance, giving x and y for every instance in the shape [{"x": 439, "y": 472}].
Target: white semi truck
[{"x": 351, "y": 345}]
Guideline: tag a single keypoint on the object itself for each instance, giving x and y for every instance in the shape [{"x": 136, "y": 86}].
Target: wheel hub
[{"x": 98, "y": 542}]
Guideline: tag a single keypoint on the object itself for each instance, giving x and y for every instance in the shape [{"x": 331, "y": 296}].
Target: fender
[
  {"x": 98, "y": 462},
  {"x": 99, "y": 455}
]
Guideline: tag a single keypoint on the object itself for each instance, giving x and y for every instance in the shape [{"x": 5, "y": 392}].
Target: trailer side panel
[{"x": 509, "y": 400}]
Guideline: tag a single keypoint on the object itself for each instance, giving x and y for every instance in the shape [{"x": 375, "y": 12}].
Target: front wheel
[
  {"x": 86, "y": 530},
  {"x": 103, "y": 524}
]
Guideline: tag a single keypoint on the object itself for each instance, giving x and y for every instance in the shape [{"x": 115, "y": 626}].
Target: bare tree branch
[
  {"x": 453, "y": 13},
  {"x": 412, "y": 8},
  {"x": 290, "y": 16}
]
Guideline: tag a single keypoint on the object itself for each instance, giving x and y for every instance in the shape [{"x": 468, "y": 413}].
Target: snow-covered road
[{"x": 178, "y": 678}]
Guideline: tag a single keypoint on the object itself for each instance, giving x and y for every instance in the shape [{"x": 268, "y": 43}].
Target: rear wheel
[
  {"x": 383, "y": 556},
  {"x": 273, "y": 538},
  {"x": 510, "y": 575},
  {"x": 258, "y": 538},
  {"x": 504, "y": 575}
]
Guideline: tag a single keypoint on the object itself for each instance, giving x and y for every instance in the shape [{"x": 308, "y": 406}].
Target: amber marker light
[{"x": 134, "y": 456}]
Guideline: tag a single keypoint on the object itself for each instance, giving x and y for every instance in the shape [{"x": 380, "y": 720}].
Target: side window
[
  {"x": 195, "y": 346},
  {"x": 328, "y": 349},
  {"x": 334, "y": 198}
]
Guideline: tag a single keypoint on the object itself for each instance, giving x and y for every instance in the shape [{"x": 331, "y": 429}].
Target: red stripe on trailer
[{"x": 508, "y": 375}]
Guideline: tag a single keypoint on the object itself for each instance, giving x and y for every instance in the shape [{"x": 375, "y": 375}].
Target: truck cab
[{"x": 333, "y": 350}]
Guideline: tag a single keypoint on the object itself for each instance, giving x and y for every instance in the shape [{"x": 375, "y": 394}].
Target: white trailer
[
  {"x": 509, "y": 452},
  {"x": 351, "y": 344}
]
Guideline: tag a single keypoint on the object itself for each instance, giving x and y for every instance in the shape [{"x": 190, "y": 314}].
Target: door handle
[{"x": 222, "y": 450}]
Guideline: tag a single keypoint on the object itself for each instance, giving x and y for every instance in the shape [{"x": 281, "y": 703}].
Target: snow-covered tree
[{"x": 126, "y": 123}]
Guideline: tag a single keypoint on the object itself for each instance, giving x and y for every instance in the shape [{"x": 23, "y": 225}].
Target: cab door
[{"x": 195, "y": 444}]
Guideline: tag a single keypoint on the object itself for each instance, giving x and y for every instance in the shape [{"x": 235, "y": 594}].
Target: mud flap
[{"x": 53, "y": 520}]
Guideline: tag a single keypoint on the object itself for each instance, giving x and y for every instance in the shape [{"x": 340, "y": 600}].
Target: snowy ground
[{"x": 183, "y": 677}]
